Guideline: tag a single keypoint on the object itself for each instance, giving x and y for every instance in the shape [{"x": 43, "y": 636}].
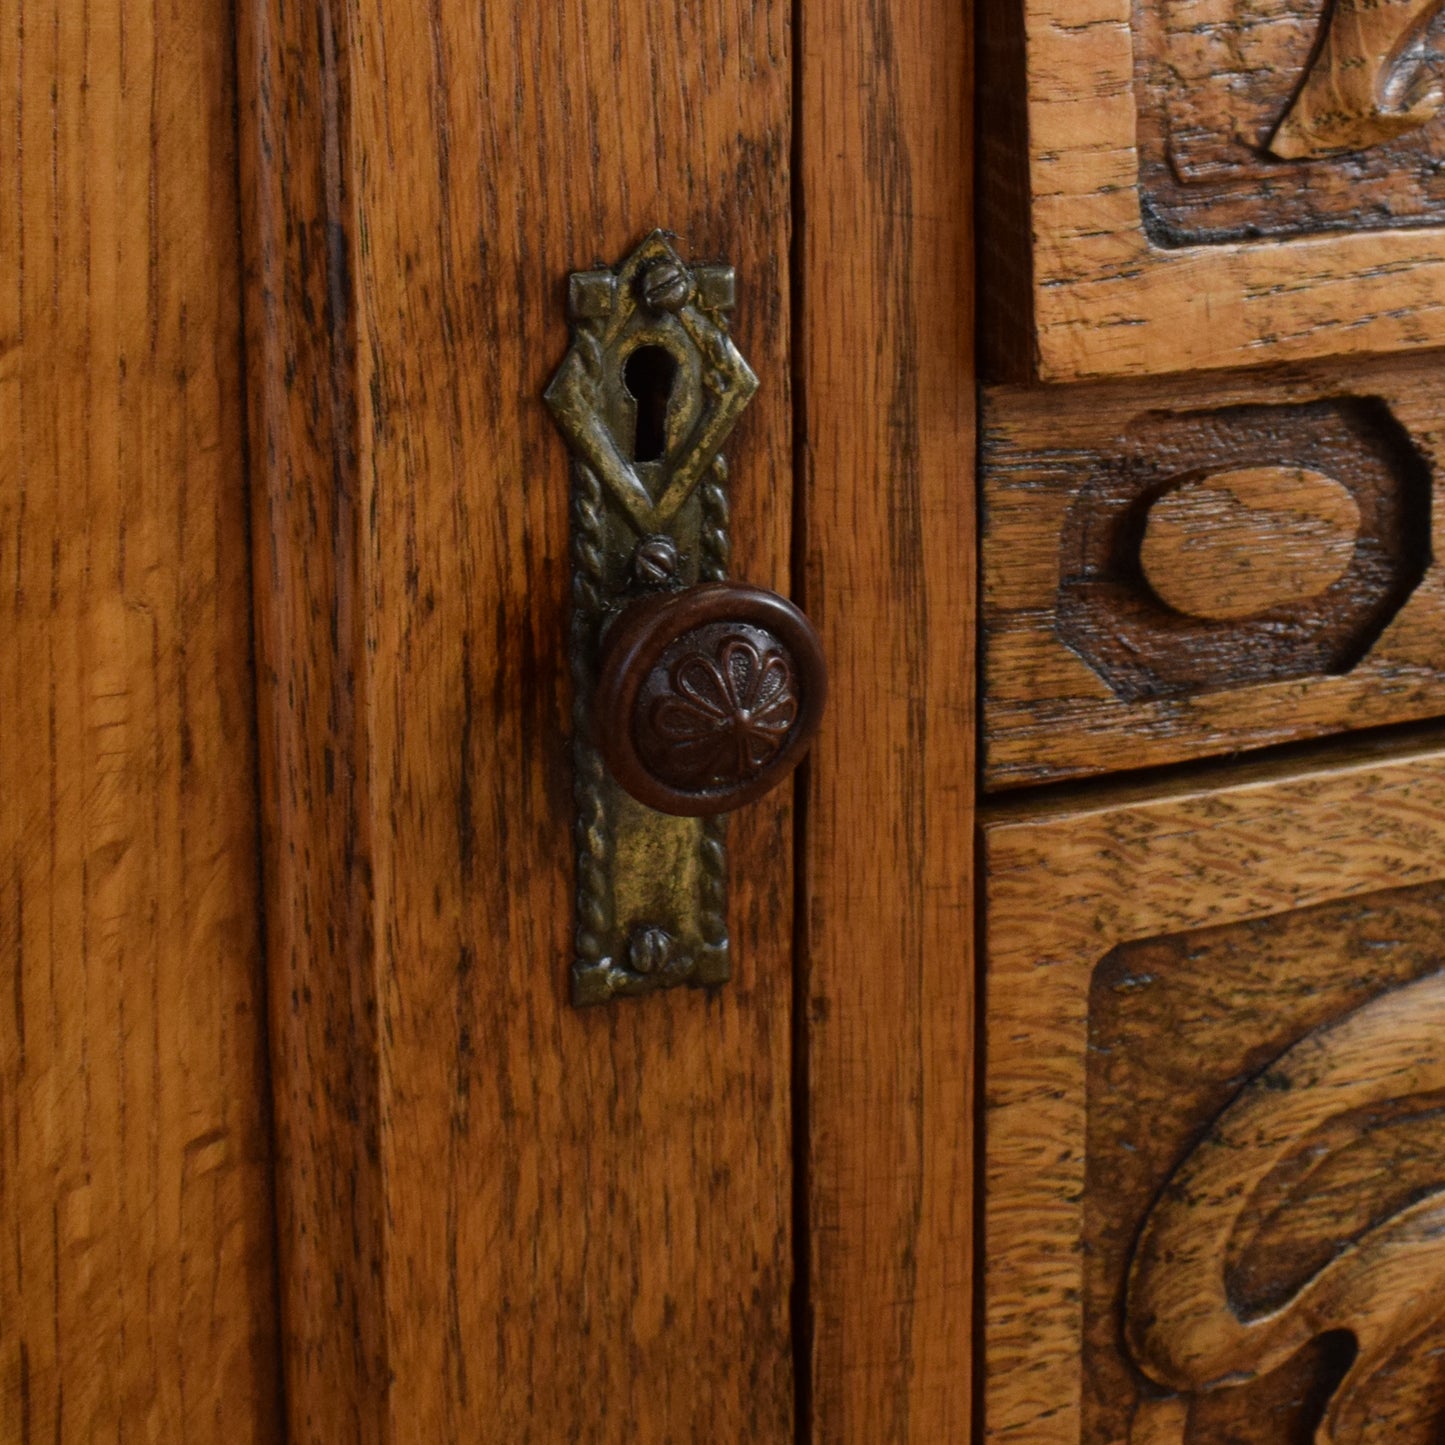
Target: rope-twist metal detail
[
  {"x": 594, "y": 840},
  {"x": 715, "y": 543},
  {"x": 715, "y": 551},
  {"x": 713, "y": 903}
]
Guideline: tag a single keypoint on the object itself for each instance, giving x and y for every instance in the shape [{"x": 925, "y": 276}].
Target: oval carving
[{"x": 1242, "y": 542}]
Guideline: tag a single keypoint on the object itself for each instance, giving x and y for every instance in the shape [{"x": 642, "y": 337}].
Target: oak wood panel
[
  {"x": 886, "y": 385},
  {"x": 502, "y": 1219},
  {"x": 1213, "y": 1087},
  {"x": 137, "y": 1297},
  {"x": 1130, "y": 274},
  {"x": 1087, "y": 668},
  {"x": 1264, "y": 1186}
]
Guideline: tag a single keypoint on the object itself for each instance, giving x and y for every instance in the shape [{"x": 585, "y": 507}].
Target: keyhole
[{"x": 649, "y": 376}]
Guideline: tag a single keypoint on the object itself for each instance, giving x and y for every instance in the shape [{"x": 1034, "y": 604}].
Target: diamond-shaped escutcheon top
[{"x": 653, "y": 300}]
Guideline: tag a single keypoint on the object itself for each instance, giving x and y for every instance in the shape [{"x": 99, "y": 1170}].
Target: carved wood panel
[
  {"x": 1178, "y": 184},
  {"x": 1269, "y": 118},
  {"x": 1215, "y": 1124},
  {"x": 1176, "y": 570},
  {"x": 1284, "y": 1234}
]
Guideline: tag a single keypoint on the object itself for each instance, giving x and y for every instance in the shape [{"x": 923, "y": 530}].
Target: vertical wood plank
[
  {"x": 886, "y": 370},
  {"x": 294, "y": 78},
  {"x": 136, "y": 1273},
  {"x": 501, "y": 1219}
]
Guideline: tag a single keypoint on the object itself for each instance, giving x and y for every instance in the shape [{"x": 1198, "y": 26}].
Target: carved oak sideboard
[{"x": 1057, "y": 1056}]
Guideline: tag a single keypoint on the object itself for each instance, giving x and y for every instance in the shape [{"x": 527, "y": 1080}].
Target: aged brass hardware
[{"x": 692, "y": 696}]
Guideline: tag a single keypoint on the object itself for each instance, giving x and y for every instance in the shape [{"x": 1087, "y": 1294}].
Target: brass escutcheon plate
[{"x": 647, "y": 394}]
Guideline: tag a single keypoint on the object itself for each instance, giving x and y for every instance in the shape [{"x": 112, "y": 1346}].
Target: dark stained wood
[
  {"x": 1214, "y": 1108},
  {"x": 1005, "y": 282},
  {"x": 310, "y": 638},
  {"x": 502, "y": 1219},
  {"x": 886, "y": 375},
  {"x": 137, "y": 1294},
  {"x": 1089, "y": 668}
]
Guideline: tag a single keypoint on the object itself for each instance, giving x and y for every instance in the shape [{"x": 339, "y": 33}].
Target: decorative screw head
[
  {"x": 649, "y": 950},
  {"x": 667, "y": 286},
  {"x": 654, "y": 562}
]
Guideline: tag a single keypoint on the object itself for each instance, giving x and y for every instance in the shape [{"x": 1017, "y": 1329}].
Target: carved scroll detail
[
  {"x": 1368, "y": 81},
  {"x": 1386, "y": 1286}
]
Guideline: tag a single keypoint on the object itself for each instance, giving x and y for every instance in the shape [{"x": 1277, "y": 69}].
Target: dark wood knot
[{"x": 708, "y": 698}]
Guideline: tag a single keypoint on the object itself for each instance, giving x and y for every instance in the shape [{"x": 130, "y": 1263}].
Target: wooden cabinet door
[
  {"x": 303, "y": 1138},
  {"x": 740, "y": 1214}
]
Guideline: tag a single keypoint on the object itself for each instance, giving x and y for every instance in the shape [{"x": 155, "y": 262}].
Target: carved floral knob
[{"x": 708, "y": 698}]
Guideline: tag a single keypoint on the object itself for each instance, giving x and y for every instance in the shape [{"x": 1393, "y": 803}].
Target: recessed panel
[
  {"x": 1260, "y": 120},
  {"x": 1250, "y": 1179},
  {"x": 1215, "y": 1111},
  {"x": 1176, "y": 185}
]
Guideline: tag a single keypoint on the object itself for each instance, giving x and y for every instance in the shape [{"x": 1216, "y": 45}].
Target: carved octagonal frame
[{"x": 1065, "y": 891}]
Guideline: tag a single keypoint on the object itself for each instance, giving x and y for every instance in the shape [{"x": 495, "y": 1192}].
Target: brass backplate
[{"x": 646, "y": 395}]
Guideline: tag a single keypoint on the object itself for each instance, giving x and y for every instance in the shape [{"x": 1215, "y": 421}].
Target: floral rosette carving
[{"x": 725, "y": 711}]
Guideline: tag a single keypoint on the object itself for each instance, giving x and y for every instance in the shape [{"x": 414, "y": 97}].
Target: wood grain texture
[
  {"x": 1121, "y": 285},
  {"x": 1287, "y": 1260},
  {"x": 1210, "y": 1052},
  {"x": 1370, "y": 79},
  {"x": 1088, "y": 669},
  {"x": 1227, "y": 90},
  {"x": 502, "y": 1219},
  {"x": 1239, "y": 542},
  {"x": 137, "y": 1297},
  {"x": 886, "y": 373}
]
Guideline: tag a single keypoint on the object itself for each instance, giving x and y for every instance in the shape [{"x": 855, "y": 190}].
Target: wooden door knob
[{"x": 708, "y": 698}]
